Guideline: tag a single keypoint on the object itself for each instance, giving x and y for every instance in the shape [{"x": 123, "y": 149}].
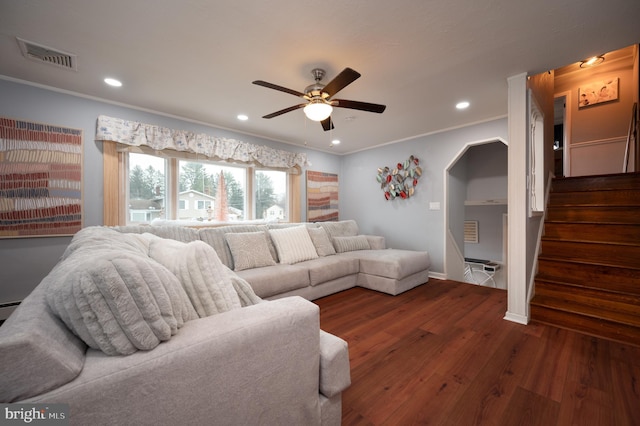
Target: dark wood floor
[{"x": 442, "y": 354}]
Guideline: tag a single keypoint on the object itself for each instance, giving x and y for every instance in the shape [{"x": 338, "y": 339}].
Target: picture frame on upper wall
[{"x": 598, "y": 92}]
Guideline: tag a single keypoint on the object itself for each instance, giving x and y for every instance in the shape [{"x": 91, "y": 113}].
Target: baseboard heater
[{"x": 6, "y": 309}]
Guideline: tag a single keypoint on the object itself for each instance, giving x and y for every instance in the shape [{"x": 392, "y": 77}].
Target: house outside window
[{"x": 270, "y": 194}]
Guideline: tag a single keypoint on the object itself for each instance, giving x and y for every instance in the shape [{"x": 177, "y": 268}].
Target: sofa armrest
[
  {"x": 334, "y": 365},
  {"x": 376, "y": 242},
  {"x": 257, "y": 364}
]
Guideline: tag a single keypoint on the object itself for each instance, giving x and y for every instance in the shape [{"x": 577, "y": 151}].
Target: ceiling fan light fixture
[{"x": 318, "y": 110}]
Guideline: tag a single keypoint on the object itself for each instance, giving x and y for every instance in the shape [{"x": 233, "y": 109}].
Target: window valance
[{"x": 158, "y": 138}]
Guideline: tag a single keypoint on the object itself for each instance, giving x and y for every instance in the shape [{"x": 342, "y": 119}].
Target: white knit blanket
[{"x": 126, "y": 292}]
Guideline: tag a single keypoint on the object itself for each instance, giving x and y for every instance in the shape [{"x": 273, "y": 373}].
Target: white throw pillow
[
  {"x": 204, "y": 278},
  {"x": 293, "y": 244}
]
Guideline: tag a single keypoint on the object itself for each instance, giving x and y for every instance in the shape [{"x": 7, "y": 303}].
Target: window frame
[{"x": 115, "y": 183}]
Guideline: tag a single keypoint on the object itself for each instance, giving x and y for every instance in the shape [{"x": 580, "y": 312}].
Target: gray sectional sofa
[
  {"x": 352, "y": 260},
  {"x": 168, "y": 325}
]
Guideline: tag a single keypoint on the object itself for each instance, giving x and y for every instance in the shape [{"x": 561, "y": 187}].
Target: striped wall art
[
  {"x": 322, "y": 197},
  {"x": 40, "y": 179}
]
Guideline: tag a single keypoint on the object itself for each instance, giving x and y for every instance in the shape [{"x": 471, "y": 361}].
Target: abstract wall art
[
  {"x": 40, "y": 179},
  {"x": 400, "y": 181},
  {"x": 322, "y": 197}
]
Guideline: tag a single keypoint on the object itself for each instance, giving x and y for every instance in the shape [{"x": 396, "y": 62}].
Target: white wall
[
  {"x": 487, "y": 180},
  {"x": 408, "y": 223},
  {"x": 489, "y": 246},
  {"x": 25, "y": 261}
]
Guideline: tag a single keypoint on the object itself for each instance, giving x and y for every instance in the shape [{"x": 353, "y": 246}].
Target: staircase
[{"x": 589, "y": 266}]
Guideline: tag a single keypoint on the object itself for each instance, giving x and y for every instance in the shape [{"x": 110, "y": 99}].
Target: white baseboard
[
  {"x": 437, "y": 275},
  {"x": 520, "y": 319}
]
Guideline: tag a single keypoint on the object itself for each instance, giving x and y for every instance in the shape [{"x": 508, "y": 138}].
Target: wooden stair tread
[
  {"x": 549, "y": 283},
  {"x": 604, "y": 300},
  {"x": 559, "y": 304},
  {"x": 598, "y": 214},
  {"x": 597, "y": 182},
  {"x": 600, "y": 253},
  {"x": 588, "y": 325},
  {"x": 587, "y": 241}
]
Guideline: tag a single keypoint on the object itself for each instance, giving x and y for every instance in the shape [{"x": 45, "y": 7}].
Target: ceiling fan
[{"x": 319, "y": 97}]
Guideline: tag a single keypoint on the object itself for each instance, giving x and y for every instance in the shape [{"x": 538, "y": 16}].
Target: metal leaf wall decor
[{"x": 401, "y": 181}]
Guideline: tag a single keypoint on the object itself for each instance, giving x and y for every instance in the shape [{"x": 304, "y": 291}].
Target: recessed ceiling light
[
  {"x": 113, "y": 82},
  {"x": 335, "y": 142},
  {"x": 592, "y": 62},
  {"x": 462, "y": 105},
  {"x": 243, "y": 117}
]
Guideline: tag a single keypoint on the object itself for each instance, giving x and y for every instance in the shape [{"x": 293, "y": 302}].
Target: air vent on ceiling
[{"x": 38, "y": 52}]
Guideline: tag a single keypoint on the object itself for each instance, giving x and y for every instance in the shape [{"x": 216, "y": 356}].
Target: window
[
  {"x": 146, "y": 188},
  {"x": 187, "y": 189},
  {"x": 270, "y": 195},
  {"x": 204, "y": 204},
  {"x": 199, "y": 186}
]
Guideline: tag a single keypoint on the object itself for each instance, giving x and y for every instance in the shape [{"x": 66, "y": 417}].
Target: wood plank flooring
[{"x": 442, "y": 354}]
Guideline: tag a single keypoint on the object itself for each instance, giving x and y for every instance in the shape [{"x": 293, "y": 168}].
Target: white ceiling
[{"x": 196, "y": 59}]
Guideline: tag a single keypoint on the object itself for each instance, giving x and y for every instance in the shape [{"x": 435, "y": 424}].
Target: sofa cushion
[
  {"x": 204, "y": 278},
  {"x": 249, "y": 250},
  {"x": 293, "y": 244},
  {"x": 178, "y": 233},
  {"x": 277, "y": 279},
  {"x": 330, "y": 268},
  {"x": 38, "y": 351},
  {"x": 321, "y": 241},
  {"x": 343, "y": 228},
  {"x": 392, "y": 263},
  {"x": 345, "y": 244}
]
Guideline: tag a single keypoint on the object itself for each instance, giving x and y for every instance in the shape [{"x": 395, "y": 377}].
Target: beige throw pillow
[
  {"x": 321, "y": 241},
  {"x": 249, "y": 250},
  {"x": 344, "y": 244}
]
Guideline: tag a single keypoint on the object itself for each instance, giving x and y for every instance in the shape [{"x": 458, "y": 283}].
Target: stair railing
[{"x": 632, "y": 135}]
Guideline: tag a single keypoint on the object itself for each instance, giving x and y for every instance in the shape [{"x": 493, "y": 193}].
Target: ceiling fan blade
[
  {"x": 279, "y": 88},
  {"x": 284, "y": 111},
  {"x": 342, "y": 80},
  {"x": 327, "y": 124},
  {"x": 364, "y": 106}
]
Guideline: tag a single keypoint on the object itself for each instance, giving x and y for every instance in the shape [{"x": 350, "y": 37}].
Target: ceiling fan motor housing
[{"x": 316, "y": 89}]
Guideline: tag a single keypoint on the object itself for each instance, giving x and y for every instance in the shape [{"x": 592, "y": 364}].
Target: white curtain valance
[{"x": 136, "y": 134}]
